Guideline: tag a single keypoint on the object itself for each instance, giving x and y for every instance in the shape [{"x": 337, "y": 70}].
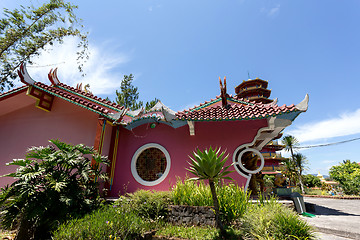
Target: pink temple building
[{"x": 147, "y": 149}]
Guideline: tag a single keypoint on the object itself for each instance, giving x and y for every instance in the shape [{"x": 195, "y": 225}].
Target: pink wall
[
  {"x": 178, "y": 142},
  {"x": 31, "y": 126}
]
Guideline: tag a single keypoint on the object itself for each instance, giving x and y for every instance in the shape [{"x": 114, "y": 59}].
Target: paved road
[{"x": 336, "y": 217}]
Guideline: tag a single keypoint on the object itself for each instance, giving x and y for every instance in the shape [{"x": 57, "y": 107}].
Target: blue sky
[{"x": 178, "y": 49}]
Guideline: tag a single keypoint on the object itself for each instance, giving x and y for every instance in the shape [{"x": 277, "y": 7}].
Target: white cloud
[
  {"x": 272, "y": 11},
  {"x": 100, "y": 69},
  {"x": 152, "y": 8},
  {"x": 343, "y": 125}
]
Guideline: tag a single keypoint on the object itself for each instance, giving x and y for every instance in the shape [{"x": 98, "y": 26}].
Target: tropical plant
[
  {"x": 289, "y": 171},
  {"x": 209, "y": 165},
  {"x": 300, "y": 164},
  {"x": 269, "y": 182},
  {"x": 347, "y": 174},
  {"x": 311, "y": 181},
  {"x": 25, "y": 32},
  {"x": 290, "y": 142},
  {"x": 52, "y": 186},
  {"x": 298, "y": 160}
]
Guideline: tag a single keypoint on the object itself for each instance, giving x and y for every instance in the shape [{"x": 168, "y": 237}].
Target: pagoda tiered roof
[{"x": 254, "y": 89}]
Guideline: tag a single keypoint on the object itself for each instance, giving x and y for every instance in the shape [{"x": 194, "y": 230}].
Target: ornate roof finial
[
  {"x": 223, "y": 93},
  {"x": 53, "y": 77},
  {"x": 24, "y": 75}
]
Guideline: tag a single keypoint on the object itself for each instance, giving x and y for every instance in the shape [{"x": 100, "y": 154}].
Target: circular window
[
  {"x": 246, "y": 160},
  {"x": 150, "y": 164}
]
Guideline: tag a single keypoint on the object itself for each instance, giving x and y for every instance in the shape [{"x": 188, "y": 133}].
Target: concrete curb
[
  {"x": 332, "y": 197},
  {"x": 339, "y": 233}
]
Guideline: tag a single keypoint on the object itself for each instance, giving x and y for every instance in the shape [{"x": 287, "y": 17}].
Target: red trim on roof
[
  {"x": 78, "y": 99},
  {"x": 235, "y": 112},
  {"x": 13, "y": 92}
]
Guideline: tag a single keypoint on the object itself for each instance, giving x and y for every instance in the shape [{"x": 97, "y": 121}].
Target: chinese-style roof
[
  {"x": 80, "y": 98},
  {"x": 213, "y": 110},
  {"x": 240, "y": 109},
  {"x": 12, "y": 92}
]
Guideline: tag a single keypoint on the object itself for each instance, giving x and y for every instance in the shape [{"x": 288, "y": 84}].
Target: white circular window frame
[
  {"x": 134, "y": 160},
  {"x": 255, "y": 152}
]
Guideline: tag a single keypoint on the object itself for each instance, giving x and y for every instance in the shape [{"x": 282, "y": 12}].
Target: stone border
[
  {"x": 333, "y": 197},
  {"x": 191, "y": 215}
]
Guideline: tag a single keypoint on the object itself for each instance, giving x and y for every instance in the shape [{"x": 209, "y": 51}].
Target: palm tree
[
  {"x": 210, "y": 165},
  {"x": 300, "y": 164},
  {"x": 298, "y": 160},
  {"x": 290, "y": 142},
  {"x": 289, "y": 170}
]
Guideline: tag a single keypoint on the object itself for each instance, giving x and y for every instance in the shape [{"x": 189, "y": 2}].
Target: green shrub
[
  {"x": 197, "y": 233},
  {"x": 53, "y": 184},
  {"x": 311, "y": 181},
  {"x": 232, "y": 199},
  {"x": 192, "y": 232},
  {"x": 191, "y": 193},
  {"x": 106, "y": 223},
  {"x": 148, "y": 204},
  {"x": 347, "y": 174},
  {"x": 271, "y": 220}
]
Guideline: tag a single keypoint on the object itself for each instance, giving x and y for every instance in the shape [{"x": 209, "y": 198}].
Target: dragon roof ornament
[
  {"x": 53, "y": 77},
  {"x": 24, "y": 75}
]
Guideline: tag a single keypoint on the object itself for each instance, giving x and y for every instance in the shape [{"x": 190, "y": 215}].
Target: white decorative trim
[
  {"x": 303, "y": 105},
  {"x": 246, "y": 173},
  {"x": 275, "y": 126},
  {"x": 136, "y": 155},
  {"x": 257, "y": 153},
  {"x": 191, "y": 128},
  {"x": 24, "y": 75},
  {"x": 167, "y": 112},
  {"x": 54, "y": 78}
]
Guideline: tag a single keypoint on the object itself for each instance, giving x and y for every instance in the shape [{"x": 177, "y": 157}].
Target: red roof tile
[
  {"x": 86, "y": 100},
  {"x": 234, "y": 112}
]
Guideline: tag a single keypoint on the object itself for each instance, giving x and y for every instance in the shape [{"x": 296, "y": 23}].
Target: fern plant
[{"x": 52, "y": 185}]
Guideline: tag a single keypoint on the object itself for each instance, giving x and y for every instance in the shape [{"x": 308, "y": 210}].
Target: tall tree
[
  {"x": 298, "y": 161},
  {"x": 290, "y": 142},
  {"x": 300, "y": 164},
  {"x": 289, "y": 170},
  {"x": 24, "y": 32},
  {"x": 347, "y": 174},
  {"x": 128, "y": 95}
]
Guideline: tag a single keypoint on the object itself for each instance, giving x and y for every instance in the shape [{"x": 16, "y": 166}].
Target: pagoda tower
[
  {"x": 273, "y": 159},
  {"x": 254, "y": 90}
]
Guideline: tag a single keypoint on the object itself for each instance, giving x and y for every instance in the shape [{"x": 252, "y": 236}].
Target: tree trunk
[
  {"x": 24, "y": 230},
  {"x": 301, "y": 184},
  {"x": 217, "y": 209}
]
